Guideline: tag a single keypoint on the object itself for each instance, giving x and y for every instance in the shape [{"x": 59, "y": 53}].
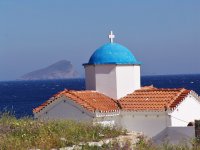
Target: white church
[{"x": 114, "y": 96}]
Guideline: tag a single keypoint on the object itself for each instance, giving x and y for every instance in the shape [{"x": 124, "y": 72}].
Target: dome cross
[{"x": 111, "y": 36}]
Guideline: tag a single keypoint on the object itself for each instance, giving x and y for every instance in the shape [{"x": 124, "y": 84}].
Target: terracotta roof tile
[
  {"x": 90, "y": 100},
  {"x": 147, "y": 98},
  {"x": 150, "y": 98}
]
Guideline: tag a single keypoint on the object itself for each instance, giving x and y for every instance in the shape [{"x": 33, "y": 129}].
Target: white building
[
  {"x": 114, "y": 96},
  {"x": 112, "y": 70}
]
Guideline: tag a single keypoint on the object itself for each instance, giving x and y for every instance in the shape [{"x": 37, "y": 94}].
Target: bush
[{"x": 27, "y": 133}]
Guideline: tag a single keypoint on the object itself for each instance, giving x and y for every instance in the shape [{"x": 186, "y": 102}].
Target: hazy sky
[{"x": 163, "y": 35}]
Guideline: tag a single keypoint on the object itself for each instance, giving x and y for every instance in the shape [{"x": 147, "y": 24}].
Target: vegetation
[
  {"x": 145, "y": 144},
  {"x": 26, "y": 133}
]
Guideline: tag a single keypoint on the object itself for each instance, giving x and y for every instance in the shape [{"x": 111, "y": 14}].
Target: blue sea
[{"x": 20, "y": 97}]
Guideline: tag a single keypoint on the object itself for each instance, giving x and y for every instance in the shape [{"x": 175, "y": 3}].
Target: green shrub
[{"x": 27, "y": 133}]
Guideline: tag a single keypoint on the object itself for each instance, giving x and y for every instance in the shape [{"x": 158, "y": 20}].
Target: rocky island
[{"x": 60, "y": 70}]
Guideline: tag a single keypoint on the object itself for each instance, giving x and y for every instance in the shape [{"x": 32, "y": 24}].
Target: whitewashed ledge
[{"x": 131, "y": 137}]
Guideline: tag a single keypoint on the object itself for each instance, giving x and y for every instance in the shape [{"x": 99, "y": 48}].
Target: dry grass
[
  {"x": 146, "y": 144},
  {"x": 26, "y": 133}
]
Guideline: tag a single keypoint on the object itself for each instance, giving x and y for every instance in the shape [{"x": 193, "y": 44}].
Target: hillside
[{"x": 60, "y": 70}]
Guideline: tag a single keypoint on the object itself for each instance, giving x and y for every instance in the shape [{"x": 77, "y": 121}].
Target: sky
[{"x": 163, "y": 35}]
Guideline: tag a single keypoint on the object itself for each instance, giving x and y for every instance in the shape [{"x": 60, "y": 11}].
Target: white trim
[
  {"x": 106, "y": 114},
  {"x": 193, "y": 94}
]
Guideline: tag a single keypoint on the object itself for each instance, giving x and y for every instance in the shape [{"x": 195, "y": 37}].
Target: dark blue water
[{"x": 21, "y": 97}]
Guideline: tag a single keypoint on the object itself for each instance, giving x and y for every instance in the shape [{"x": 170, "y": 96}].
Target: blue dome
[{"x": 112, "y": 53}]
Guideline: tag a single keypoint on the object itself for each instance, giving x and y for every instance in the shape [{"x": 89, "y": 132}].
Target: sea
[{"x": 20, "y": 97}]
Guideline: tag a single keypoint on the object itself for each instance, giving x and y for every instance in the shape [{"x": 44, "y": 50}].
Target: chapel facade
[{"x": 114, "y": 96}]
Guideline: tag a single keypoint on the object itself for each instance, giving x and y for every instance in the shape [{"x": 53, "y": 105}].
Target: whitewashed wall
[
  {"x": 187, "y": 111},
  {"x": 128, "y": 79},
  {"x": 64, "y": 108},
  {"x": 114, "y": 81},
  {"x": 106, "y": 80},
  {"x": 150, "y": 123},
  {"x": 107, "y": 119}
]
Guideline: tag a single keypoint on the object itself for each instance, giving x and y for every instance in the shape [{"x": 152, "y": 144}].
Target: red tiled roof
[
  {"x": 147, "y": 98},
  {"x": 90, "y": 100},
  {"x": 151, "y": 98}
]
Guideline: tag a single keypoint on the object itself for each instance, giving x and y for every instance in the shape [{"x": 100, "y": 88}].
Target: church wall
[
  {"x": 150, "y": 123},
  {"x": 114, "y": 81},
  {"x": 186, "y": 112},
  {"x": 90, "y": 77},
  {"x": 65, "y": 109},
  {"x": 128, "y": 79},
  {"x": 107, "y": 119},
  {"x": 106, "y": 80}
]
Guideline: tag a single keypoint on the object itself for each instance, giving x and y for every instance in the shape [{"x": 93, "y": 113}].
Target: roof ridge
[
  {"x": 152, "y": 89},
  {"x": 182, "y": 90},
  {"x": 50, "y": 100},
  {"x": 148, "y": 88},
  {"x": 161, "y": 99},
  {"x": 89, "y": 100},
  {"x": 82, "y": 100},
  {"x": 90, "y": 104},
  {"x": 168, "y": 89}
]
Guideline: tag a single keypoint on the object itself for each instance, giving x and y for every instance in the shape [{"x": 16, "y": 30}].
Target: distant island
[{"x": 60, "y": 70}]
